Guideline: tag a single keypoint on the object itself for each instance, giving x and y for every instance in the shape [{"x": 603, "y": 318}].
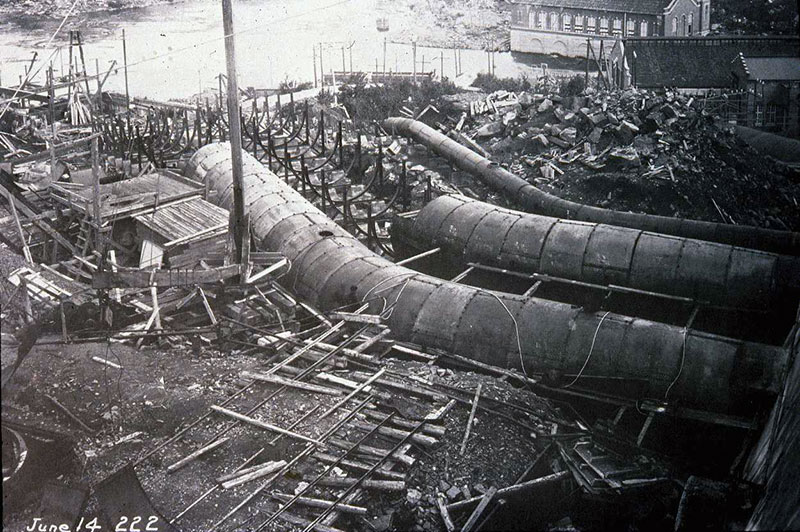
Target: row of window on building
[
  {"x": 587, "y": 24},
  {"x": 591, "y": 24}
]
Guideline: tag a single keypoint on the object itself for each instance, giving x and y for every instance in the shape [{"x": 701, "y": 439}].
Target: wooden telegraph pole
[
  {"x": 234, "y": 119},
  {"x": 125, "y": 61}
]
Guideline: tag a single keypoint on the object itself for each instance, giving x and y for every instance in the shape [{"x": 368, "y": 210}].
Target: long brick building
[{"x": 563, "y": 26}]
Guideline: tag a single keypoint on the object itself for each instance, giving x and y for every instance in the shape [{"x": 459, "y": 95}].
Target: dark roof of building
[
  {"x": 772, "y": 68},
  {"x": 698, "y": 62},
  {"x": 646, "y": 7}
]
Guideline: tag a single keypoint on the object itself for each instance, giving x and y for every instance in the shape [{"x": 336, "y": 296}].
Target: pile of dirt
[{"x": 636, "y": 150}]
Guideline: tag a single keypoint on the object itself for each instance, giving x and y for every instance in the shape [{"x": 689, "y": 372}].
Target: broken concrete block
[
  {"x": 558, "y": 142},
  {"x": 612, "y": 119},
  {"x": 595, "y": 135},
  {"x": 525, "y": 99},
  {"x": 540, "y": 138},
  {"x": 629, "y": 125},
  {"x": 598, "y": 119},
  {"x": 413, "y": 496},
  {"x": 569, "y": 134},
  {"x": 560, "y": 113},
  {"x": 489, "y": 130},
  {"x": 453, "y": 492},
  {"x": 668, "y": 111},
  {"x": 502, "y": 145},
  {"x": 509, "y": 117},
  {"x": 545, "y": 106}
]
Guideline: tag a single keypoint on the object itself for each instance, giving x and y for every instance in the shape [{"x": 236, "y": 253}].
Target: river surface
[{"x": 177, "y": 50}]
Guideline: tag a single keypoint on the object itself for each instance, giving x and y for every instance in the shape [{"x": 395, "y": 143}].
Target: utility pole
[
  {"x": 414, "y": 59},
  {"x": 321, "y": 68},
  {"x": 234, "y": 119},
  {"x": 384, "y": 56},
  {"x": 314, "y": 49},
  {"x": 125, "y": 61},
  {"x": 344, "y": 65}
]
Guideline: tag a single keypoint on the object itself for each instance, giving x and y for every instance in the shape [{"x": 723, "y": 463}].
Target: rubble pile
[{"x": 633, "y": 150}]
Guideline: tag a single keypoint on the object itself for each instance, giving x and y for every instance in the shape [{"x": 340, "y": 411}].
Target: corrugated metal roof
[
  {"x": 697, "y": 62},
  {"x": 773, "y": 68},
  {"x": 647, "y": 7}
]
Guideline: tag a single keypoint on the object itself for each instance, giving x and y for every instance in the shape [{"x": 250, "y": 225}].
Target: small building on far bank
[
  {"x": 771, "y": 89},
  {"x": 563, "y": 26}
]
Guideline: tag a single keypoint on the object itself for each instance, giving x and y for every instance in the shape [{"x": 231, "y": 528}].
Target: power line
[{"x": 200, "y": 43}]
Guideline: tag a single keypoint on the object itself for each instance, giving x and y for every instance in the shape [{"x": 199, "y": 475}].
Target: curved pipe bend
[
  {"x": 331, "y": 268},
  {"x": 533, "y": 200}
]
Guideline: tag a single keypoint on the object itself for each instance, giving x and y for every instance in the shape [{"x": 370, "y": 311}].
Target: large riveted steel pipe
[
  {"x": 331, "y": 268},
  {"x": 473, "y": 231},
  {"x": 531, "y": 199}
]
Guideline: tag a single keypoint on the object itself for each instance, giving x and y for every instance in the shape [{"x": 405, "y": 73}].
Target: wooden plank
[
  {"x": 441, "y": 502},
  {"x": 262, "y": 471},
  {"x": 198, "y": 453},
  {"x": 357, "y": 318},
  {"x": 321, "y": 503},
  {"x": 275, "y": 379},
  {"x": 372, "y": 451},
  {"x": 41, "y": 224},
  {"x": 382, "y": 485},
  {"x": 471, "y": 417},
  {"x": 359, "y": 388},
  {"x": 515, "y": 489},
  {"x": 358, "y": 466},
  {"x": 266, "y": 271},
  {"x": 25, "y": 250},
  {"x": 136, "y": 278},
  {"x": 264, "y": 425},
  {"x": 478, "y": 511},
  {"x": 398, "y": 434}
]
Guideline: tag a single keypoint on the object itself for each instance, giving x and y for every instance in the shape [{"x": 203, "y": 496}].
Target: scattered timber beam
[
  {"x": 478, "y": 511},
  {"x": 41, "y": 224},
  {"x": 358, "y": 466},
  {"x": 321, "y": 503},
  {"x": 513, "y": 490},
  {"x": 441, "y": 502},
  {"x": 136, "y": 278},
  {"x": 369, "y": 319},
  {"x": 69, "y": 414},
  {"x": 382, "y": 485},
  {"x": 264, "y": 425},
  {"x": 418, "y": 256},
  {"x": 262, "y": 471},
  {"x": 197, "y": 454},
  {"x": 372, "y": 451},
  {"x": 300, "y": 522},
  {"x": 359, "y": 388},
  {"x": 471, "y": 417},
  {"x": 398, "y": 434},
  {"x": 275, "y": 379}
]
